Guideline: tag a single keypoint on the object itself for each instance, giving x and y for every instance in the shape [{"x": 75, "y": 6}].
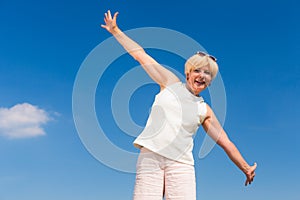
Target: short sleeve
[{"x": 202, "y": 110}]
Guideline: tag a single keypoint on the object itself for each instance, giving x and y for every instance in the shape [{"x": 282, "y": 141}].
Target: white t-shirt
[{"x": 175, "y": 117}]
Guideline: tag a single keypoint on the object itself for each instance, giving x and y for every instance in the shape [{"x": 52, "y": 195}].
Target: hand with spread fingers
[{"x": 110, "y": 22}]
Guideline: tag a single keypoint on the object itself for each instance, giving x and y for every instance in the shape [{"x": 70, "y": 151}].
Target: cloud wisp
[{"x": 22, "y": 121}]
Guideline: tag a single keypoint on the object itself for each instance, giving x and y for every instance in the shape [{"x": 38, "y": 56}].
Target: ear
[{"x": 187, "y": 76}]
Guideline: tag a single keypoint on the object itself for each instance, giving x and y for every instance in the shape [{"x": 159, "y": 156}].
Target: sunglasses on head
[{"x": 202, "y": 53}]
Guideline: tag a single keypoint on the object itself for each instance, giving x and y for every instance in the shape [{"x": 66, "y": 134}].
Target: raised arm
[
  {"x": 157, "y": 72},
  {"x": 213, "y": 128}
]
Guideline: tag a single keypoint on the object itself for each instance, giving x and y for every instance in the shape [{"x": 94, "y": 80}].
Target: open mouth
[{"x": 200, "y": 83}]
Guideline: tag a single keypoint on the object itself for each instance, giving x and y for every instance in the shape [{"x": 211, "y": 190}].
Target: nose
[{"x": 201, "y": 74}]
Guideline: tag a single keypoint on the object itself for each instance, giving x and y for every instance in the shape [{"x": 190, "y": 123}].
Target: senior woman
[{"x": 165, "y": 166}]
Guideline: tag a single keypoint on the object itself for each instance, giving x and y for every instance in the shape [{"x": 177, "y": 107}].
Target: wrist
[
  {"x": 115, "y": 30},
  {"x": 246, "y": 168}
]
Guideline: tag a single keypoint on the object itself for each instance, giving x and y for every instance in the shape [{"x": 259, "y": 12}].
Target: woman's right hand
[{"x": 110, "y": 22}]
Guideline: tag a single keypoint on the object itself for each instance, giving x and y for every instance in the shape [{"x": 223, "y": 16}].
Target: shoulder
[
  {"x": 209, "y": 111},
  {"x": 172, "y": 85},
  {"x": 210, "y": 115}
]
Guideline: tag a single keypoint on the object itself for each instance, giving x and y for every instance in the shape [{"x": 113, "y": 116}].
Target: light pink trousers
[{"x": 159, "y": 177}]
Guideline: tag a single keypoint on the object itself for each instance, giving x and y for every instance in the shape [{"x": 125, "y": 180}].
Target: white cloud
[{"x": 22, "y": 121}]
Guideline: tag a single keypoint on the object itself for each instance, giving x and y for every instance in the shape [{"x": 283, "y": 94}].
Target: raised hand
[
  {"x": 250, "y": 174},
  {"x": 110, "y": 22}
]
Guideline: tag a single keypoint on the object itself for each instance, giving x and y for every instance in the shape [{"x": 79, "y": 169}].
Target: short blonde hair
[{"x": 198, "y": 61}]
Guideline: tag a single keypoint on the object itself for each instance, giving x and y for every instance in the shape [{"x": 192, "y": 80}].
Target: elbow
[{"x": 138, "y": 54}]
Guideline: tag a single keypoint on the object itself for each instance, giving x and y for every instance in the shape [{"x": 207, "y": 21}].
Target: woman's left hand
[{"x": 250, "y": 174}]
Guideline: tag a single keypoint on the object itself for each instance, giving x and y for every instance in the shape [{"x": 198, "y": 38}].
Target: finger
[
  {"x": 116, "y": 15},
  {"x": 254, "y": 166},
  {"x": 109, "y": 14},
  {"x": 249, "y": 180}
]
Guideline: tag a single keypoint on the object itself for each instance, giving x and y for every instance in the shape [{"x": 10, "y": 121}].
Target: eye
[
  {"x": 197, "y": 70},
  {"x": 207, "y": 72}
]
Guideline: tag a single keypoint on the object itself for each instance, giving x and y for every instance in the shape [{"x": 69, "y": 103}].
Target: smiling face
[
  {"x": 200, "y": 70},
  {"x": 198, "y": 79}
]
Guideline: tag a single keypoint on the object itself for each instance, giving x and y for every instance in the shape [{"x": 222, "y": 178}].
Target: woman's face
[{"x": 198, "y": 79}]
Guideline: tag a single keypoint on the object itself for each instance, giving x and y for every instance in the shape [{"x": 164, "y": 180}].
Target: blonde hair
[{"x": 198, "y": 61}]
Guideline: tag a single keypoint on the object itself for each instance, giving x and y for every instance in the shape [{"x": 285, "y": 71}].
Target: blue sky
[{"x": 43, "y": 44}]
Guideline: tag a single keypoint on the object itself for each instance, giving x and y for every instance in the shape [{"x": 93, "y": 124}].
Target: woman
[{"x": 165, "y": 165}]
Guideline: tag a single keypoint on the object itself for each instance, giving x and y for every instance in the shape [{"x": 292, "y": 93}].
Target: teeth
[{"x": 200, "y": 82}]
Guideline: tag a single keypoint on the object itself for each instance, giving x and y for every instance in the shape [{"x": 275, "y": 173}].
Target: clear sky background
[{"x": 42, "y": 46}]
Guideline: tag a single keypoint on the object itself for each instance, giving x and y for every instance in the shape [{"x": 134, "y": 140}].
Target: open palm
[{"x": 110, "y": 22}]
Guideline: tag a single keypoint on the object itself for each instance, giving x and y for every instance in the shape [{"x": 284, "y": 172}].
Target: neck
[{"x": 190, "y": 89}]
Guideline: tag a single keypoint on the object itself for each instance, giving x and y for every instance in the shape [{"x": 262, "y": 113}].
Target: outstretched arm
[
  {"x": 157, "y": 72},
  {"x": 213, "y": 128}
]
